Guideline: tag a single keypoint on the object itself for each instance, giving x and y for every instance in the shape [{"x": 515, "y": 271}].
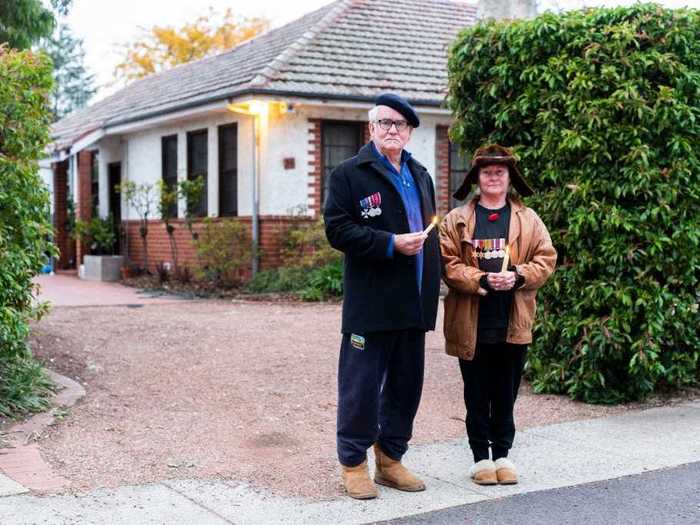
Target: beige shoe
[
  {"x": 393, "y": 474},
  {"x": 483, "y": 472},
  {"x": 357, "y": 482},
  {"x": 505, "y": 472}
]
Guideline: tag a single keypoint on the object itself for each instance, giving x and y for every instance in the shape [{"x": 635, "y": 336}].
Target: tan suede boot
[
  {"x": 393, "y": 474},
  {"x": 506, "y": 472},
  {"x": 357, "y": 482},
  {"x": 484, "y": 472}
]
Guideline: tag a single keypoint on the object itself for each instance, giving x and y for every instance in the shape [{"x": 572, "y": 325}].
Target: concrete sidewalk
[
  {"x": 554, "y": 456},
  {"x": 67, "y": 290}
]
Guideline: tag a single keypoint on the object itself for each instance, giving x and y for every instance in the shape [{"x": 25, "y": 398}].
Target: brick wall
[
  {"x": 442, "y": 171},
  {"x": 272, "y": 229},
  {"x": 65, "y": 244},
  {"x": 83, "y": 210},
  {"x": 315, "y": 173}
]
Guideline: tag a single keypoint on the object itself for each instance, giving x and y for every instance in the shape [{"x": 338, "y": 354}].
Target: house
[{"x": 264, "y": 123}]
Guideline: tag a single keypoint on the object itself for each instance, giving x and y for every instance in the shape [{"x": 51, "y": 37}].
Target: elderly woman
[{"x": 496, "y": 253}]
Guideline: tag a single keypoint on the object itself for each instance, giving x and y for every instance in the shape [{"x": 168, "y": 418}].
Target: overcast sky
[{"x": 104, "y": 24}]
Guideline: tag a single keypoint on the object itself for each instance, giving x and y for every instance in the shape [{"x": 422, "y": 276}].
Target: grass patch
[{"x": 24, "y": 387}]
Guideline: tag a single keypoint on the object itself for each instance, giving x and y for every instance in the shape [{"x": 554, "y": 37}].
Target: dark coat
[{"x": 380, "y": 293}]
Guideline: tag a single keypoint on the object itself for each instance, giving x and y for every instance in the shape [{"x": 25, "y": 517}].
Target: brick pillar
[
  {"x": 315, "y": 173},
  {"x": 365, "y": 133},
  {"x": 84, "y": 208},
  {"x": 65, "y": 244},
  {"x": 442, "y": 169}
]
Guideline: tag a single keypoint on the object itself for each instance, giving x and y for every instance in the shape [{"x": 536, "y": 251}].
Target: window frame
[
  {"x": 203, "y": 208},
  {"x": 222, "y": 151},
  {"x": 359, "y": 129},
  {"x": 164, "y": 178}
]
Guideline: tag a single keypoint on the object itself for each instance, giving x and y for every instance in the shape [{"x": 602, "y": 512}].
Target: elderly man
[
  {"x": 496, "y": 254},
  {"x": 379, "y": 202}
]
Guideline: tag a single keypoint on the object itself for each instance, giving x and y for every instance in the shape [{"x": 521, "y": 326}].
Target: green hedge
[
  {"x": 603, "y": 108},
  {"x": 24, "y": 224}
]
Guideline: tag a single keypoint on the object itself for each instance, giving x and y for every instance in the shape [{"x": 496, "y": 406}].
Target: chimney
[{"x": 509, "y": 9}]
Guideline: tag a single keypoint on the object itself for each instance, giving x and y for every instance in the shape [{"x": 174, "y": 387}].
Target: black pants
[
  {"x": 491, "y": 382},
  {"x": 379, "y": 389}
]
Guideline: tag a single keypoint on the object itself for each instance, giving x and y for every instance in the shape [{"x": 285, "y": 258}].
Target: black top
[
  {"x": 490, "y": 239},
  {"x": 363, "y": 210}
]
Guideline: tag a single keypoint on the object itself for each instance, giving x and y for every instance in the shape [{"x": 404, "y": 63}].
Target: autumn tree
[{"x": 161, "y": 48}]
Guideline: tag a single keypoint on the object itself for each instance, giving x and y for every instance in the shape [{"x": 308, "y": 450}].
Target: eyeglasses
[{"x": 386, "y": 124}]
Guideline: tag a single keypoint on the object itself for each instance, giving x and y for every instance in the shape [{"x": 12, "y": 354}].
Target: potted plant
[{"x": 98, "y": 234}]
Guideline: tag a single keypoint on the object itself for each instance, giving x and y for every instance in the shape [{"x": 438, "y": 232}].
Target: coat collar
[{"x": 368, "y": 155}]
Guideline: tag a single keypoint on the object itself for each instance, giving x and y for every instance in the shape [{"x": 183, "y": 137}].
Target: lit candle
[
  {"x": 506, "y": 259},
  {"x": 432, "y": 225}
]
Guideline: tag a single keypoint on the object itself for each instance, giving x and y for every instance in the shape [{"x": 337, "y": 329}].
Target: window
[
  {"x": 340, "y": 141},
  {"x": 197, "y": 161},
  {"x": 169, "y": 153},
  {"x": 228, "y": 170},
  {"x": 95, "y": 183},
  {"x": 459, "y": 167}
]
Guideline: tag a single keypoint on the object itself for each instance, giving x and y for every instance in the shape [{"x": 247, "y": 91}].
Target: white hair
[{"x": 372, "y": 113}]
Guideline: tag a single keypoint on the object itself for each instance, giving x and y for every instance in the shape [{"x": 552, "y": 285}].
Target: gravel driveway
[{"x": 237, "y": 390}]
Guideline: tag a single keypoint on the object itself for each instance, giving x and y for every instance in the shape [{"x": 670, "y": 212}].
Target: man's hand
[
  {"x": 501, "y": 281},
  {"x": 409, "y": 243}
]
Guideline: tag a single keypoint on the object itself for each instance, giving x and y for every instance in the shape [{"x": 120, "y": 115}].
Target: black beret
[{"x": 401, "y": 105}]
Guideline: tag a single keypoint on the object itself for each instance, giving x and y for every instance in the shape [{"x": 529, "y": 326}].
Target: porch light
[{"x": 252, "y": 107}]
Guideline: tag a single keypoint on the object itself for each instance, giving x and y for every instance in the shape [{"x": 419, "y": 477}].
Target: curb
[{"x": 21, "y": 466}]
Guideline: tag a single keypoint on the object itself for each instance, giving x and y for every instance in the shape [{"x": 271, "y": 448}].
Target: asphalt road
[{"x": 663, "y": 497}]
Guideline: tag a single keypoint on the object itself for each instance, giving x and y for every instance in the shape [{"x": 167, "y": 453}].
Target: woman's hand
[{"x": 501, "y": 281}]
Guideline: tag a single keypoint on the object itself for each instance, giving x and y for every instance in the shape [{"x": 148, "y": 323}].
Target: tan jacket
[{"x": 532, "y": 253}]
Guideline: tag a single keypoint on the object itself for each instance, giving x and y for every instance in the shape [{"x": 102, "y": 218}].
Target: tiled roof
[{"x": 349, "y": 49}]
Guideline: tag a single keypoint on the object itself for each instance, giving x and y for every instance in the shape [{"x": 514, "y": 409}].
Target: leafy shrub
[
  {"x": 224, "y": 249},
  {"x": 24, "y": 225},
  {"x": 313, "y": 270},
  {"x": 278, "y": 280},
  {"x": 305, "y": 245},
  {"x": 97, "y": 233},
  {"x": 316, "y": 284},
  {"x": 324, "y": 282},
  {"x": 603, "y": 107}
]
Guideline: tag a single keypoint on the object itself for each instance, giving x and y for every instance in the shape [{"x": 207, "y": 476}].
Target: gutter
[{"x": 258, "y": 91}]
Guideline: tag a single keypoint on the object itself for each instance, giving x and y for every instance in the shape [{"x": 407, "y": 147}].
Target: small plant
[
  {"x": 142, "y": 198},
  {"x": 191, "y": 191},
  {"x": 305, "y": 244},
  {"x": 184, "y": 274},
  {"x": 324, "y": 282},
  {"x": 224, "y": 249},
  {"x": 97, "y": 234},
  {"x": 167, "y": 207},
  {"x": 163, "y": 273}
]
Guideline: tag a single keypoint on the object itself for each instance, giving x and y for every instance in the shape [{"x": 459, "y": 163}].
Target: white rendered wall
[
  {"x": 142, "y": 157},
  {"x": 286, "y": 135}
]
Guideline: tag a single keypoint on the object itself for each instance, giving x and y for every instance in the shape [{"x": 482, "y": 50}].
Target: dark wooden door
[{"x": 114, "y": 171}]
